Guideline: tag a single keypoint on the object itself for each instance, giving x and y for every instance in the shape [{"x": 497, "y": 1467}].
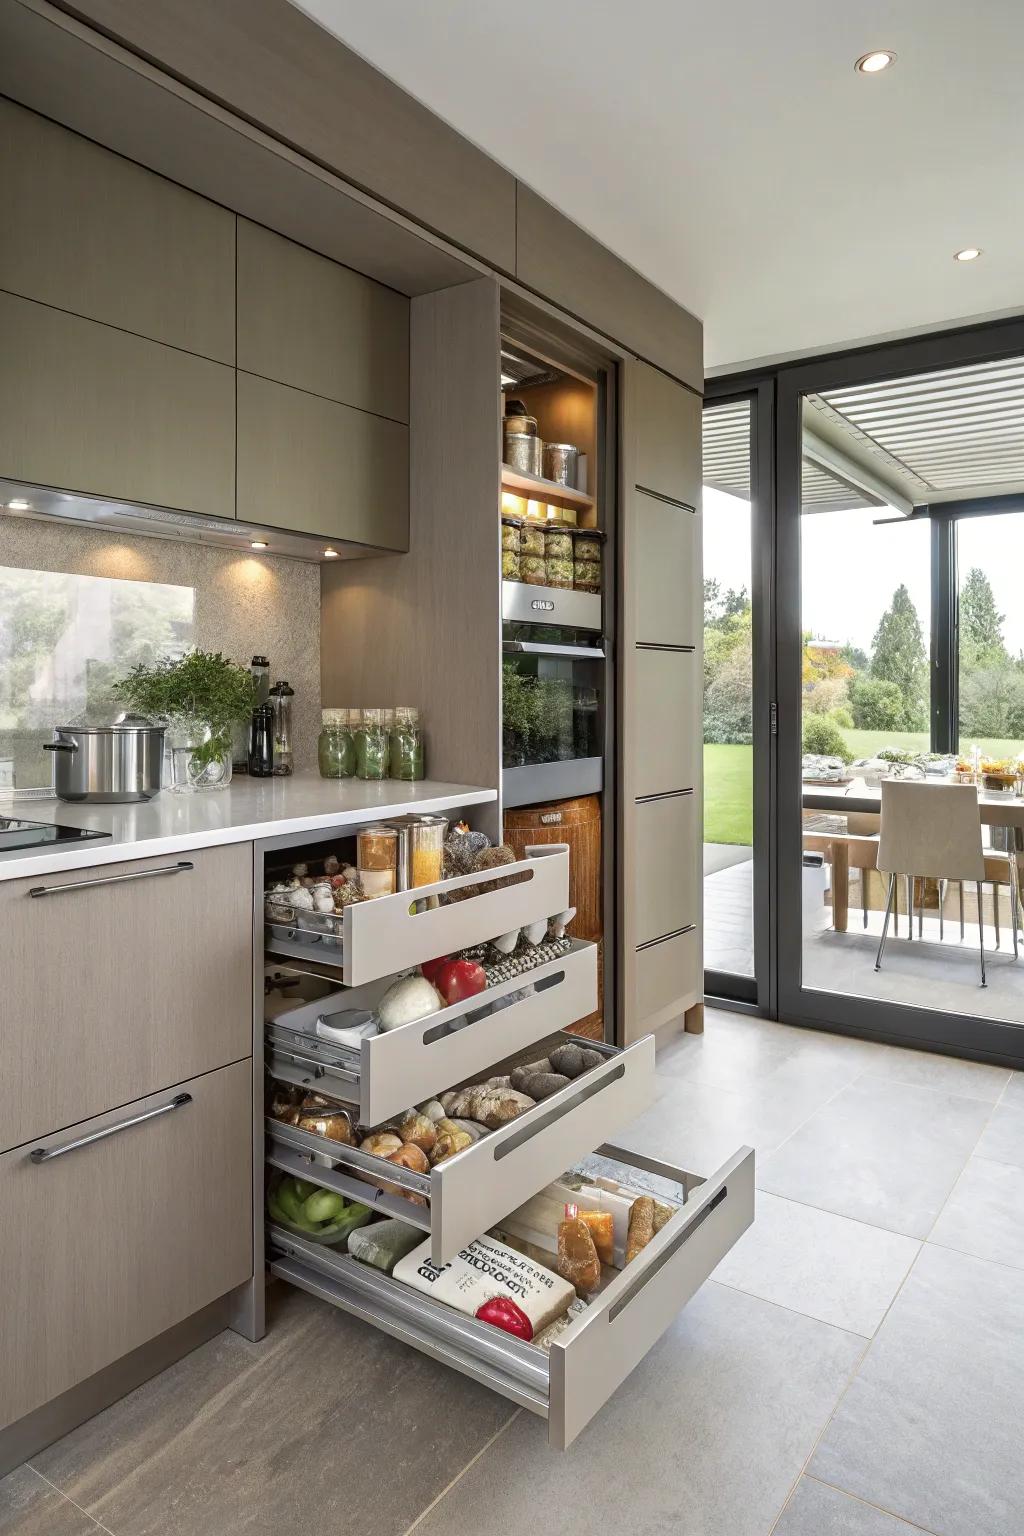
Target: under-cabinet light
[
  {"x": 258, "y": 544},
  {"x": 330, "y": 554},
  {"x": 19, "y": 504}
]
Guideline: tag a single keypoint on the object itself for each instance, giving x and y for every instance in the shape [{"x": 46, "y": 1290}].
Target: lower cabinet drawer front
[
  {"x": 667, "y": 878},
  {"x": 668, "y": 978},
  {"x": 404, "y": 1066},
  {"x": 107, "y": 1245},
  {"x": 471, "y": 1191},
  {"x": 569, "y": 1383}
]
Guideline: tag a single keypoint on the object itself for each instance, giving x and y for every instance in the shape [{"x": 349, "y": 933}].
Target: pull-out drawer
[
  {"x": 120, "y": 1227},
  {"x": 568, "y": 1383},
  {"x": 474, "y": 1189},
  {"x": 393, "y": 933},
  {"x": 402, "y": 1067}
]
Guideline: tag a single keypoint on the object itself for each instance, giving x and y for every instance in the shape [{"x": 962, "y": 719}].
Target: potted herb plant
[{"x": 202, "y": 696}]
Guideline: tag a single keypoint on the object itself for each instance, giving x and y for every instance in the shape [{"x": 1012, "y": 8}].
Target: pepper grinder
[{"x": 280, "y": 700}]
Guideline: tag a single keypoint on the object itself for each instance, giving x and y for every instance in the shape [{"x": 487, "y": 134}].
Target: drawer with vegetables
[
  {"x": 355, "y": 1045},
  {"x": 324, "y": 910},
  {"x": 457, "y": 1164},
  {"x": 558, "y": 1302}
]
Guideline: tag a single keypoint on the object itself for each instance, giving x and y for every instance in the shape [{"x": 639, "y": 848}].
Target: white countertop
[{"x": 249, "y": 809}]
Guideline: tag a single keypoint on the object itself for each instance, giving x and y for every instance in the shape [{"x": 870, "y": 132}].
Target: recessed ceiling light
[
  {"x": 20, "y": 505},
  {"x": 873, "y": 63},
  {"x": 330, "y": 554},
  {"x": 258, "y": 544},
  {"x": 969, "y": 253}
]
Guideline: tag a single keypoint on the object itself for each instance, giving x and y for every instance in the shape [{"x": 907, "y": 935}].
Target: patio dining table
[{"x": 861, "y": 799}]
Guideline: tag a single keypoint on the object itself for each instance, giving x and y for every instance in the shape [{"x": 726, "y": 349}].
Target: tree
[
  {"x": 727, "y": 700},
  {"x": 875, "y": 704},
  {"x": 721, "y": 606},
  {"x": 981, "y": 627},
  {"x": 823, "y": 738},
  {"x": 898, "y": 657}
]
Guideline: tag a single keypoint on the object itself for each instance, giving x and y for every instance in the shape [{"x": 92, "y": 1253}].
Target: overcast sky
[{"x": 851, "y": 567}]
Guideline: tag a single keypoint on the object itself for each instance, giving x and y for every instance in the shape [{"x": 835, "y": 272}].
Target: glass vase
[{"x": 199, "y": 758}]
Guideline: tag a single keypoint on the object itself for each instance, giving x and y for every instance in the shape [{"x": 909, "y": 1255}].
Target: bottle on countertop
[
  {"x": 261, "y": 742},
  {"x": 241, "y": 736},
  {"x": 280, "y": 701}
]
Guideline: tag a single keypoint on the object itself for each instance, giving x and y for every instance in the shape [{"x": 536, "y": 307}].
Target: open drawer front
[
  {"x": 401, "y": 1067},
  {"x": 394, "y": 933},
  {"x": 477, "y": 1187},
  {"x": 570, "y": 1381}
]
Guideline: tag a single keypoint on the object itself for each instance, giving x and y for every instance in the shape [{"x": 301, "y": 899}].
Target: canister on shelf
[
  {"x": 426, "y": 849},
  {"x": 406, "y": 755},
  {"x": 371, "y": 746},
  {"x": 587, "y": 560},
  {"x": 559, "y": 463},
  {"x": 336, "y": 753},
  {"x": 511, "y": 548},
  {"x": 377, "y": 860},
  {"x": 524, "y": 452},
  {"x": 558, "y": 562}
]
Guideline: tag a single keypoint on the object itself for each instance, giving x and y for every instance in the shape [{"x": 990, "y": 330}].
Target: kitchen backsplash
[{"x": 243, "y": 604}]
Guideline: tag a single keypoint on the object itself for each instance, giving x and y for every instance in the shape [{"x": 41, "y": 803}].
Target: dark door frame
[
  {"x": 963, "y": 1034},
  {"x": 761, "y": 989}
]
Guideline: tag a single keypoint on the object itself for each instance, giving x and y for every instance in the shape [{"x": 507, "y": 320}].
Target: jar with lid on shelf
[
  {"x": 389, "y": 725},
  {"x": 531, "y": 557},
  {"x": 406, "y": 755},
  {"x": 511, "y": 547},
  {"x": 587, "y": 560},
  {"x": 335, "y": 749},
  {"x": 377, "y": 860},
  {"x": 371, "y": 746},
  {"x": 558, "y": 561}
]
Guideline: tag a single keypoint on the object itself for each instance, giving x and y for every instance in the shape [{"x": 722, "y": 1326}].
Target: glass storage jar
[
  {"x": 280, "y": 700},
  {"x": 511, "y": 548},
  {"x": 371, "y": 746},
  {"x": 406, "y": 755},
  {"x": 534, "y": 571},
  {"x": 377, "y": 860},
  {"x": 558, "y": 562},
  {"x": 335, "y": 749},
  {"x": 426, "y": 849}
]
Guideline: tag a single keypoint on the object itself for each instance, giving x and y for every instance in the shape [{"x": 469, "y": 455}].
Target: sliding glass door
[
  {"x": 900, "y": 657},
  {"x": 737, "y": 541}
]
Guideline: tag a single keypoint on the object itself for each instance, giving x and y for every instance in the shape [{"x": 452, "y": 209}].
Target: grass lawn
[{"x": 728, "y": 791}]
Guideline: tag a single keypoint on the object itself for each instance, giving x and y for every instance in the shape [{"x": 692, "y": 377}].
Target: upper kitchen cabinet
[
  {"x": 315, "y": 466},
  {"x": 277, "y": 68},
  {"x": 310, "y": 323},
  {"x": 86, "y": 407},
  {"x": 92, "y": 233},
  {"x": 558, "y": 259},
  {"x": 666, "y": 420}
]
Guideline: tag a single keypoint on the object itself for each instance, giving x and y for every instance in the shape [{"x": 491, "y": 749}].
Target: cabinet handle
[
  {"x": 138, "y": 874},
  {"x": 47, "y": 1154}
]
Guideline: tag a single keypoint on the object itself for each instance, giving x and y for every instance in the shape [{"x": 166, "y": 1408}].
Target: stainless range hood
[{"x": 45, "y": 503}]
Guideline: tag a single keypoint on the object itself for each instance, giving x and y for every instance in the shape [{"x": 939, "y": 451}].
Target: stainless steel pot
[{"x": 107, "y": 763}]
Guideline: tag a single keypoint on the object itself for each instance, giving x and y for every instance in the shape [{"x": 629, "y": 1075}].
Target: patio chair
[{"x": 933, "y": 831}]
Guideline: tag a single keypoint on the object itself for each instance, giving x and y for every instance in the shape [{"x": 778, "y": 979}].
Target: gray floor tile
[
  {"x": 704, "y": 1439},
  {"x": 884, "y": 1153},
  {"x": 817, "y": 1510},
  {"x": 1003, "y": 1137},
  {"x": 1015, "y": 1090},
  {"x": 30, "y": 1507},
  {"x": 728, "y": 1056},
  {"x": 326, "y": 1416},
  {"x": 973, "y": 1079},
  {"x": 985, "y": 1213},
  {"x": 825, "y": 1266},
  {"x": 930, "y": 1427}
]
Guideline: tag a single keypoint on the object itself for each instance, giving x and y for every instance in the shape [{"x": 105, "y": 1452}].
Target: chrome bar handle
[
  {"x": 47, "y": 1154},
  {"x": 138, "y": 874}
]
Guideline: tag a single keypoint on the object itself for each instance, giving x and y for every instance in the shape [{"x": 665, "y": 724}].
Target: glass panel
[
  {"x": 728, "y": 695},
  {"x": 63, "y": 641},
  {"x": 990, "y": 559}
]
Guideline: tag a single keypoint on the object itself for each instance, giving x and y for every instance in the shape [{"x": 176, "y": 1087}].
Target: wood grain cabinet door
[
  {"x": 667, "y": 842},
  {"x": 121, "y": 987},
  {"x": 667, "y": 567},
  {"x": 105, "y": 1246},
  {"x": 87, "y": 407},
  {"x": 667, "y": 421},
  {"x": 668, "y": 685}
]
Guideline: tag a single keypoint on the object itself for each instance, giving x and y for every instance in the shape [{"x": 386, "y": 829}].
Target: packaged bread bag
[{"x": 486, "y": 1268}]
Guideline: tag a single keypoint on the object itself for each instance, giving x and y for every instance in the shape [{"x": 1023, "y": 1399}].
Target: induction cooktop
[{"x": 15, "y": 832}]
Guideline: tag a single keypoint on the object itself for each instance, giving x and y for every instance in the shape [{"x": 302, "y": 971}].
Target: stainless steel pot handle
[
  {"x": 138, "y": 874},
  {"x": 47, "y": 1154},
  {"x": 60, "y": 746}
]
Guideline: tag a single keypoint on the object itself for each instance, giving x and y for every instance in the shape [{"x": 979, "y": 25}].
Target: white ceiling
[{"x": 730, "y": 152}]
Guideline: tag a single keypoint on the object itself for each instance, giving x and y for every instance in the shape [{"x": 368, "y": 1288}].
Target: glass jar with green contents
[
  {"x": 511, "y": 566},
  {"x": 407, "y": 745},
  {"x": 558, "y": 557},
  {"x": 532, "y": 553},
  {"x": 336, "y": 751},
  {"x": 371, "y": 746}
]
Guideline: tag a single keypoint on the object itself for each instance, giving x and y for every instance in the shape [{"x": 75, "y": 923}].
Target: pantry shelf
[{"x": 536, "y": 488}]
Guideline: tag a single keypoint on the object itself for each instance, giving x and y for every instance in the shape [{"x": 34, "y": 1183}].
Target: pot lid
[{"x": 104, "y": 725}]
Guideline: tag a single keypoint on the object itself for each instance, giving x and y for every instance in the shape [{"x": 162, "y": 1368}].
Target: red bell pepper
[{"x": 503, "y": 1313}]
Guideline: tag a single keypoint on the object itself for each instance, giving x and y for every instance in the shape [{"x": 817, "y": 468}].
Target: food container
[
  {"x": 586, "y": 577},
  {"x": 559, "y": 463},
  {"x": 517, "y": 420},
  {"x": 511, "y": 548},
  {"x": 426, "y": 849},
  {"x": 558, "y": 560},
  {"x": 335, "y": 750},
  {"x": 406, "y": 753},
  {"x": 586, "y": 548},
  {"x": 524, "y": 452},
  {"x": 371, "y": 746},
  {"x": 377, "y": 860},
  {"x": 531, "y": 541},
  {"x": 107, "y": 764}
]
